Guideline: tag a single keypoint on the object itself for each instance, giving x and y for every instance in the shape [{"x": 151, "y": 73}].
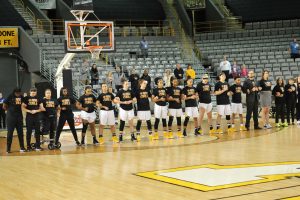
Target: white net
[{"x": 95, "y": 53}]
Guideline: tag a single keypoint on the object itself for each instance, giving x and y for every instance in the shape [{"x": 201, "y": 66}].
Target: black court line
[{"x": 239, "y": 195}]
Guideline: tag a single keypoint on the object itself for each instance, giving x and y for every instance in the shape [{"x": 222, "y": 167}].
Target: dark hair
[
  {"x": 61, "y": 91},
  {"x": 263, "y": 72},
  {"x": 123, "y": 80},
  {"x": 157, "y": 79},
  {"x": 141, "y": 81},
  {"x": 94, "y": 69},
  {"x": 16, "y": 90},
  {"x": 277, "y": 81},
  {"x": 87, "y": 87},
  {"x": 236, "y": 77},
  {"x": 33, "y": 90}
]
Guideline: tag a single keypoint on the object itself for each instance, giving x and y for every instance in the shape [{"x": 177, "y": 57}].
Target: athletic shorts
[
  {"x": 90, "y": 117},
  {"x": 126, "y": 115},
  {"x": 237, "y": 108},
  {"x": 224, "y": 109},
  {"x": 206, "y": 106},
  {"x": 191, "y": 112},
  {"x": 144, "y": 115},
  {"x": 107, "y": 117},
  {"x": 160, "y": 111},
  {"x": 175, "y": 112}
]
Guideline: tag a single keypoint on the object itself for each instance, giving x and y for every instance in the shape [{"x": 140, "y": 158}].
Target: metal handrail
[
  {"x": 31, "y": 14},
  {"x": 231, "y": 23}
]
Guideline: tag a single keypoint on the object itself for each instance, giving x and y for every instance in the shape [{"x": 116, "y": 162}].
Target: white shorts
[
  {"x": 206, "y": 106},
  {"x": 175, "y": 112},
  {"x": 107, "y": 117},
  {"x": 191, "y": 112},
  {"x": 224, "y": 110},
  {"x": 237, "y": 108},
  {"x": 126, "y": 115},
  {"x": 90, "y": 117},
  {"x": 144, "y": 115},
  {"x": 160, "y": 111}
]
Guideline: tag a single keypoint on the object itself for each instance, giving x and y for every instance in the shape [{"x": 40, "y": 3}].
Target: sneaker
[
  {"x": 197, "y": 132},
  {"x": 22, "y": 150},
  {"x": 8, "y": 152},
  {"x": 269, "y": 126},
  {"x": 265, "y": 126},
  {"x": 151, "y": 137},
  {"x": 29, "y": 148},
  {"x": 115, "y": 139},
  {"x": 298, "y": 123},
  {"x": 257, "y": 128},
  {"x": 101, "y": 140},
  {"x": 38, "y": 149},
  {"x": 121, "y": 138},
  {"x": 219, "y": 131},
  {"x": 278, "y": 125},
  {"x": 285, "y": 124},
  {"x": 179, "y": 134},
  {"x": 212, "y": 131},
  {"x": 95, "y": 141},
  {"x": 166, "y": 135},
  {"x": 243, "y": 128},
  {"x": 170, "y": 135},
  {"x": 133, "y": 138},
  {"x": 155, "y": 136},
  {"x": 184, "y": 133},
  {"x": 231, "y": 130},
  {"x": 77, "y": 143},
  {"x": 138, "y": 138}
]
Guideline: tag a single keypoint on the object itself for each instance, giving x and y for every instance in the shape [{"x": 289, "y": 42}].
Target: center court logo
[{"x": 214, "y": 177}]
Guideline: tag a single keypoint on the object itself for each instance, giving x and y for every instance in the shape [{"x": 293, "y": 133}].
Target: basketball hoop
[{"x": 95, "y": 52}]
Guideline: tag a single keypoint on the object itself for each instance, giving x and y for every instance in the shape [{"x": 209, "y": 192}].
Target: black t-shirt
[
  {"x": 188, "y": 92},
  {"x": 222, "y": 99},
  {"x": 265, "y": 85},
  {"x": 142, "y": 97},
  {"x": 32, "y": 103},
  {"x": 160, "y": 93},
  {"x": 298, "y": 88},
  {"x": 175, "y": 92},
  {"x": 237, "y": 93},
  {"x": 65, "y": 103},
  {"x": 179, "y": 73},
  {"x": 204, "y": 92},
  {"x": 125, "y": 95},
  {"x": 280, "y": 89},
  {"x": 134, "y": 80},
  {"x": 50, "y": 105},
  {"x": 106, "y": 100},
  {"x": 14, "y": 105},
  {"x": 88, "y": 101},
  {"x": 290, "y": 95}
]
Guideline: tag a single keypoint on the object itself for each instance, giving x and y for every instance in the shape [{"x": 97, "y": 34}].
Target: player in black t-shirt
[
  {"x": 278, "y": 93},
  {"x": 125, "y": 98},
  {"x": 264, "y": 86},
  {"x": 159, "y": 97},
  {"x": 13, "y": 106},
  {"x": 49, "y": 115},
  {"x": 190, "y": 96},
  {"x": 236, "y": 103},
  {"x": 290, "y": 100},
  {"x": 32, "y": 105},
  {"x": 143, "y": 106},
  {"x": 105, "y": 102},
  {"x": 223, "y": 102},
  {"x": 205, "y": 105},
  {"x": 175, "y": 107},
  {"x": 86, "y": 104},
  {"x": 64, "y": 114}
]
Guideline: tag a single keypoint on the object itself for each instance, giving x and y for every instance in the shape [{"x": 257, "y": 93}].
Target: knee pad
[
  {"x": 186, "y": 121},
  {"x": 84, "y": 128},
  {"x": 170, "y": 120},
  {"x": 164, "y": 121},
  {"x": 138, "y": 125},
  {"x": 149, "y": 126},
  {"x": 178, "y": 121},
  {"x": 122, "y": 125},
  {"x": 156, "y": 123}
]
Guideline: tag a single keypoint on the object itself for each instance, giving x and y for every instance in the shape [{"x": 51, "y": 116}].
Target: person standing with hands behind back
[
  {"x": 178, "y": 72},
  {"x": 94, "y": 75},
  {"x": 144, "y": 46}
]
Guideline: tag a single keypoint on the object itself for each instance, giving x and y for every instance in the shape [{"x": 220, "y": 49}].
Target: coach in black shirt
[
  {"x": 252, "y": 98},
  {"x": 178, "y": 72}
]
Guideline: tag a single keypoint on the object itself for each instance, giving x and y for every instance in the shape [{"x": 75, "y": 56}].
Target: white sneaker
[
  {"x": 268, "y": 126},
  {"x": 298, "y": 123}
]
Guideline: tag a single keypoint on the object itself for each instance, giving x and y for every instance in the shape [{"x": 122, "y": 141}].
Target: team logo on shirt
[
  {"x": 190, "y": 92},
  {"x": 126, "y": 95},
  {"x": 32, "y": 102},
  {"x": 66, "y": 102},
  {"x": 238, "y": 89},
  {"x": 225, "y": 87},
  {"x": 282, "y": 89},
  {"x": 161, "y": 93},
  {"x": 88, "y": 100},
  {"x": 144, "y": 95},
  {"x": 293, "y": 88},
  {"x": 50, "y": 104},
  {"x": 268, "y": 83},
  {"x": 107, "y": 98},
  {"x": 176, "y": 92},
  {"x": 18, "y": 101},
  {"x": 206, "y": 88}
]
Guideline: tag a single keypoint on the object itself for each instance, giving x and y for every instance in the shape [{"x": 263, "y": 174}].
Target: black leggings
[
  {"x": 279, "y": 111},
  {"x": 298, "y": 111},
  {"x": 14, "y": 122},
  {"x": 156, "y": 123},
  {"x": 139, "y": 124},
  {"x": 49, "y": 125},
  {"x": 2, "y": 118},
  {"x": 122, "y": 125},
  {"x": 62, "y": 119},
  {"x": 33, "y": 123},
  {"x": 290, "y": 109}
]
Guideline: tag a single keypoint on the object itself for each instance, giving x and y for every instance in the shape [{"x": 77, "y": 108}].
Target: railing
[{"x": 228, "y": 24}]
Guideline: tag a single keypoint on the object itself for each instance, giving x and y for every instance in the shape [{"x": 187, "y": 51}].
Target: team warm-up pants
[
  {"x": 14, "y": 122},
  {"x": 252, "y": 107},
  {"x": 61, "y": 122},
  {"x": 33, "y": 123}
]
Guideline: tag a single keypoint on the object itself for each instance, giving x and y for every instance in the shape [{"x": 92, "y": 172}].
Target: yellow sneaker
[
  {"x": 170, "y": 135},
  {"x": 155, "y": 136},
  {"x": 243, "y": 128},
  {"x": 115, "y": 139},
  {"x": 138, "y": 138},
  {"x": 231, "y": 130},
  {"x": 151, "y": 138},
  {"x": 179, "y": 134},
  {"x": 219, "y": 131},
  {"x": 212, "y": 131},
  {"x": 166, "y": 135},
  {"x": 101, "y": 140}
]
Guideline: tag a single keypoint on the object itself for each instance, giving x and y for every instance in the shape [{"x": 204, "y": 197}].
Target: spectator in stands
[
  {"x": 147, "y": 78},
  {"x": 235, "y": 70},
  {"x": 109, "y": 80},
  {"x": 190, "y": 72},
  {"x": 94, "y": 75},
  {"x": 225, "y": 67},
  {"x": 144, "y": 46},
  {"x": 294, "y": 49},
  {"x": 244, "y": 71},
  {"x": 118, "y": 75},
  {"x": 134, "y": 80},
  {"x": 167, "y": 78},
  {"x": 178, "y": 72},
  {"x": 84, "y": 72}
]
